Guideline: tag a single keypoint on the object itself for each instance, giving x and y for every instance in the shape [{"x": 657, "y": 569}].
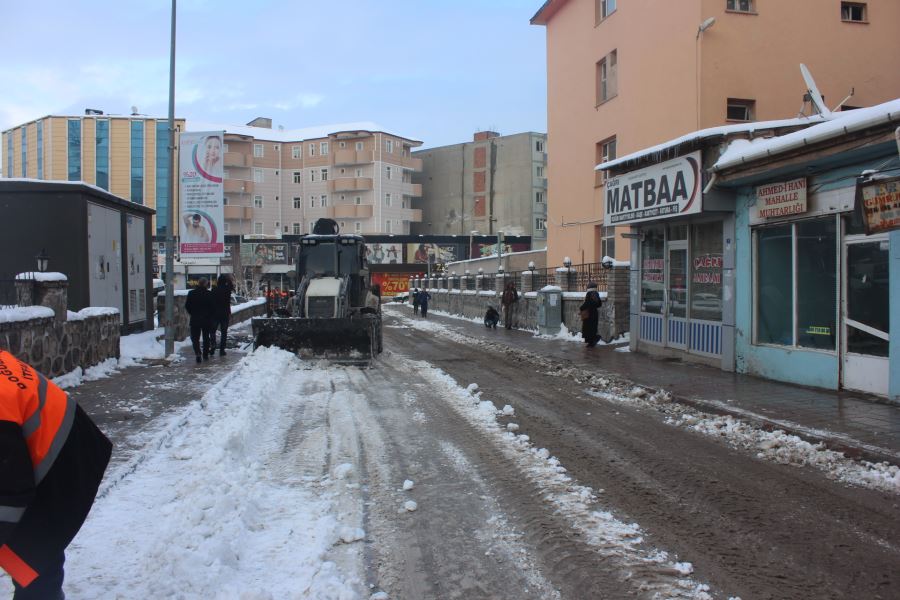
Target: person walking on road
[
  {"x": 52, "y": 460},
  {"x": 415, "y": 301},
  {"x": 221, "y": 311},
  {"x": 423, "y": 297},
  {"x": 200, "y": 306},
  {"x": 590, "y": 317},
  {"x": 507, "y": 300}
]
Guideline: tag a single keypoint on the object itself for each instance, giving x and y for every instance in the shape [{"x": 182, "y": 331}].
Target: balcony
[
  {"x": 352, "y": 211},
  {"x": 238, "y": 212},
  {"x": 237, "y": 159},
  {"x": 413, "y": 189},
  {"x": 349, "y": 184},
  {"x": 352, "y": 157},
  {"x": 415, "y": 215},
  {"x": 238, "y": 186},
  {"x": 411, "y": 164}
]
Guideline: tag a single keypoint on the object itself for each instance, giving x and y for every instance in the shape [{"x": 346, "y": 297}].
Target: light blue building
[{"x": 751, "y": 250}]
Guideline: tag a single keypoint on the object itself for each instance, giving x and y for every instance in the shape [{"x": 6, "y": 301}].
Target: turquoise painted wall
[{"x": 894, "y": 277}]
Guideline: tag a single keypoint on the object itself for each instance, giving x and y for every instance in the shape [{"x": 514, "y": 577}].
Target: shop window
[
  {"x": 867, "y": 297},
  {"x": 774, "y": 295},
  {"x": 817, "y": 283},
  {"x": 652, "y": 270},
  {"x": 706, "y": 271},
  {"x": 854, "y": 12}
]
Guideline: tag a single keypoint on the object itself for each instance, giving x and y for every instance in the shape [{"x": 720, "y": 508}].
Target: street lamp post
[{"x": 170, "y": 226}]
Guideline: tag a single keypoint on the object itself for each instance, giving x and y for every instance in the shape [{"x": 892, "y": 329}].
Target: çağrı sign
[
  {"x": 669, "y": 189},
  {"x": 781, "y": 199},
  {"x": 881, "y": 204},
  {"x": 201, "y": 229}
]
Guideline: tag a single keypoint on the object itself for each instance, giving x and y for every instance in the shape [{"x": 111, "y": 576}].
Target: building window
[
  {"x": 390, "y": 172},
  {"x": 539, "y": 171},
  {"x": 540, "y": 224},
  {"x": 605, "y": 152},
  {"x": 225, "y": 227},
  {"x": 324, "y": 174},
  {"x": 608, "y": 242},
  {"x": 389, "y": 146},
  {"x": 539, "y": 197},
  {"x": 387, "y": 226},
  {"x": 602, "y": 9},
  {"x": 40, "y": 149},
  {"x": 387, "y": 199},
  {"x": 258, "y": 175},
  {"x": 312, "y": 174},
  {"x": 323, "y": 199},
  {"x": 740, "y": 110},
  {"x": 258, "y": 227},
  {"x": 607, "y": 77},
  {"x": 24, "y": 152},
  {"x": 312, "y": 225},
  {"x": 102, "y": 170},
  {"x": 312, "y": 201},
  {"x": 853, "y": 11},
  {"x": 359, "y": 172},
  {"x": 796, "y": 275},
  {"x": 298, "y": 176},
  {"x": 358, "y": 199},
  {"x": 297, "y": 202},
  {"x": 9, "y": 154},
  {"x": 342, "y": 144},
  {"x": 359, "y": 146},
  {"x": 137, "y": 162},
  {"x": 258, "y": 151},
  {"x": 323, "y": 148},
  {"x": 739, "y": 5},
  {"x": 357, "y": 227},
  {"x": 539, "y": 145},
  {"x": 706, "y": 272},
  {"x": 73, "y": 149},
  {"x": 312, "y": 149},
  {"x": 296, "y": 152},
  {"x": 257, "y": 201},
  {"x": 296, "y": 229}
]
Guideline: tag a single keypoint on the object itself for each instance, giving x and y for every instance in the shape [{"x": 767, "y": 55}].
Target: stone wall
[
  {"x": 182, "y": 318},
  {"x": 56, "y": 347}
]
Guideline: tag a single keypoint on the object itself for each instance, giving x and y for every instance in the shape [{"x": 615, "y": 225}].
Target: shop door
[
  {"x": 675, "y": 314},
  {"x": 865, "y": 315}
]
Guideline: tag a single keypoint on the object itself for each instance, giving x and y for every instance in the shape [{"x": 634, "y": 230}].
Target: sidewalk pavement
[{"x": 859, "y": 425}]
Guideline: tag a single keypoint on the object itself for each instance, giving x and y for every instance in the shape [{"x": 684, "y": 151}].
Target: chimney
[{"x": 485, "y": 135}]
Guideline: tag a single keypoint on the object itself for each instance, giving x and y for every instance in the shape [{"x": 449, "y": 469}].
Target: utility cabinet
[{"x": 549, "y": 311}]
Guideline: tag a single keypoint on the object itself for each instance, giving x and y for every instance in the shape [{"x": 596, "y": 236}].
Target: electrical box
[{"x": 549, "y": 311}]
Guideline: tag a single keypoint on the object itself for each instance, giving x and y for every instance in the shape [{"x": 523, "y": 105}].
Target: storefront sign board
[
  {"x": 881, "y": 204},
  {"x": 669, "y": 189},
  {"x": 779, "y": 200}
]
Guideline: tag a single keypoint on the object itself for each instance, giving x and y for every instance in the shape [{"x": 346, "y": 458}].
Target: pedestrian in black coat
[
  {"x": 590, "y": 317},
  {"x": 221, "y": 311},
  {"x": 423, "y": 297},
  {"x": 200, "y": 306}
]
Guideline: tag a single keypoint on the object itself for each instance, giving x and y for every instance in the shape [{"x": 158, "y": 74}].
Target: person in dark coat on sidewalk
[
  {"x": 200, "y": 306},
  {"x": 590, "y": 317},
  {"x": 507, "y": 300},
  {"x": 221, "y": 311},
  {"x": 423, "y": 297},
  {"x": 52, "y": 460}
]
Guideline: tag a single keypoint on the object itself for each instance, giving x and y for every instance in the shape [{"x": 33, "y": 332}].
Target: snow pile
[
  {"x": 208, "y": 511},
  {"x": 16, "y": 314}
]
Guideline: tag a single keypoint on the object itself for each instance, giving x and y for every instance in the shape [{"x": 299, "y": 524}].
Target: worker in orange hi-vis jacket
[{"x": 52, "y": 459}]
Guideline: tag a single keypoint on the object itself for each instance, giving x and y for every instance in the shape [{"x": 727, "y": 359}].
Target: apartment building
[
  {"x": 493, "y": 183},
  {"x": 123, "y": 154},
  {"x": 281, "y": 181},
  {"x": 624, "y": 75}
]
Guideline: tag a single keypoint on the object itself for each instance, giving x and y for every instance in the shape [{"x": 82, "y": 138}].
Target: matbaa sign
[
  {"x": 666, "y": 190},
  {"x": 779, "y": 200},
  {"x": 202, "y": 225}
]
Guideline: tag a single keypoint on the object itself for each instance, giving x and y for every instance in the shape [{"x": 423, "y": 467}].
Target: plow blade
[{"x": 353, "y": 340}]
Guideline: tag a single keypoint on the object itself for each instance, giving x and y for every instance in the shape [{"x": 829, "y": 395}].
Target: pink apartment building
[{"x": 623, "y": 75}]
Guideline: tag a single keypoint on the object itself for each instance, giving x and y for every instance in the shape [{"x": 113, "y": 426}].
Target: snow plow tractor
[{"x": 328, "y": 317}]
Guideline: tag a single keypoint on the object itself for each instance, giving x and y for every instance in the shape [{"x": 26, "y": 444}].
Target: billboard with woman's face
[
  {"x": 378, "y": 253},
  {"x": 422, "y": 253},
  {"x": 202, "y": 220}
]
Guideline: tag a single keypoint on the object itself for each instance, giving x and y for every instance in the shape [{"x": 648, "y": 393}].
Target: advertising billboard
[
  {"x": 392, "y": 284},
  {"x": 422, "y": 253},
  {"x": 259, "y": 254},
  {"x": 202, "y": 216},
  {"x": 669, "y": 189},
  {"x": 381, "y": 253},
  {"x": 881, "y": 204}
]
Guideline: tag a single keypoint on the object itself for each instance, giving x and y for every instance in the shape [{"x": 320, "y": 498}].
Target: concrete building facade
[
  {"x": 493, "y": 183},
  {"x": 125, "y": 155},
  {"x": 280, "y": 182},
  {"x": 626, "y": 75}
]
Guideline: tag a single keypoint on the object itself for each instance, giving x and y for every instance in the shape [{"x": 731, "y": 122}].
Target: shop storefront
[{"x": 682, "y": 261}]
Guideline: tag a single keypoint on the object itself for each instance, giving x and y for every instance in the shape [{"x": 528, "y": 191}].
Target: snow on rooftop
[
  {"x": 708, "y": 133},
  {"x": 842, "y": 123},
  {"x": 287, "y": 135}
]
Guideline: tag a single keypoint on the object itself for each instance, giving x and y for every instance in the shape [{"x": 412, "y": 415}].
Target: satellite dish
[{"x": 814, "y": 96}]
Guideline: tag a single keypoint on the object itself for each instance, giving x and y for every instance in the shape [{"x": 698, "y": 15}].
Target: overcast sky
[{"x": 432, "y": 70}]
